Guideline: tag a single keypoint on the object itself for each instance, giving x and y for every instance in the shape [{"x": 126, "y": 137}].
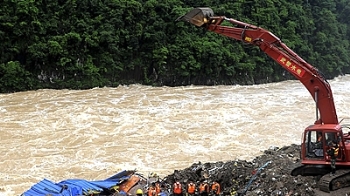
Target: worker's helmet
[
  {"x": 115, "y": 188},
  {"x": 139, "y": 192}
]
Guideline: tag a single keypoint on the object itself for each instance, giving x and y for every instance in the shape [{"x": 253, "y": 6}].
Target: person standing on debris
[
  {"x": 177, "y": 189},
  {"x": 139, "y": 192},
  {"x": 157, "y": 187},
  {"x": 204, "y": 188},
  {"x": 152, "y": 190},
  {"x": 164, "y": 191},
  {"x": 191, "y": 188},
  {"x": 215, "y": 188},
  {"x": 333, "y": 153}
]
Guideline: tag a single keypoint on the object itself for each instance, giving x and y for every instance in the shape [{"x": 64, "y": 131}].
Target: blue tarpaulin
[
  {"x": 47, "y": 187},
  {"x": 74, "y": 187}
]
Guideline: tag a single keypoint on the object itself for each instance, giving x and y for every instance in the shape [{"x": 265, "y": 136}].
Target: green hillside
[{"x": 88, "y": 43}]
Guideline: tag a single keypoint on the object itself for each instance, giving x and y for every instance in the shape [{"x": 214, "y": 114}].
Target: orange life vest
[
  {"x": 177, "y": 188},
  {"x": 191, "y": 188},
  {"x": 215, "y": 187},
  {"x": 157, "y": 188},
  {"x": 203, "y": 188},
  {"x": 151, "y": 191}
]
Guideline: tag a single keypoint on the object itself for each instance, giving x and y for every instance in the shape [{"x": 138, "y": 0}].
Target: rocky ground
[{"x": 266, "y": 175}]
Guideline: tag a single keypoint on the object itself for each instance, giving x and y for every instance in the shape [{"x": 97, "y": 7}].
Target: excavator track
[
  {"x": 328, "y": 182},
  {"x": 340, "y": 179},
  {"x": 309, "y": 170}
]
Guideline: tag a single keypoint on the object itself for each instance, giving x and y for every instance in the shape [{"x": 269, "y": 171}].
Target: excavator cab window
[
  {"x": 330, "y": 137},
  {"x": 314, "y": 144}
]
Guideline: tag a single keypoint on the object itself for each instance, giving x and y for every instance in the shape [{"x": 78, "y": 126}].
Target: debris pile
[{"x": 268, "y": 174}]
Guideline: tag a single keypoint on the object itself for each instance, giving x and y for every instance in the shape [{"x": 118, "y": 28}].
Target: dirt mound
[{"x": 268, "y": 174}]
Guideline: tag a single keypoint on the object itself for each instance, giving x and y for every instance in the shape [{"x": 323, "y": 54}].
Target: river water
[{"x": 92, "y": 134}]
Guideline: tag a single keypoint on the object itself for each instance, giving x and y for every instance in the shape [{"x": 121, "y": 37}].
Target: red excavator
[{"x": 317, "y": 138}]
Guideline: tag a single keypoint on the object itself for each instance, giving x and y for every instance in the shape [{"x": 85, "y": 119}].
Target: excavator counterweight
[{"x": 197, "y": 16}]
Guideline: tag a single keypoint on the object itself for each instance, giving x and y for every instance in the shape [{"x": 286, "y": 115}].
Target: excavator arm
[{"x": 308, "y": 75}]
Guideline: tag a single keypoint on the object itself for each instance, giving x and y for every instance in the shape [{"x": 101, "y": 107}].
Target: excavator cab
[
  {"x": 197, "y": 16},
  {"x": 318, "y": 139},
  {"x": 316, "y": 156},
  {"x": 317, "y": 142}
]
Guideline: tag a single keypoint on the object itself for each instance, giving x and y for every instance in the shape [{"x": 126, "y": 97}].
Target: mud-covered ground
[{"x": 266, "y": 175}]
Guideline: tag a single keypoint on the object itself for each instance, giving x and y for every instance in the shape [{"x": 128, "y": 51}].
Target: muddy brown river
[{"x": 92, "y": 134}]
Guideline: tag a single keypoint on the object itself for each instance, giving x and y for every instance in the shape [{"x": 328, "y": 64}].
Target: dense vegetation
[{"x": 80, "y": 44}]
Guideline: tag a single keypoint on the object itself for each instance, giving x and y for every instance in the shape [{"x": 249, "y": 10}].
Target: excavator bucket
[{"x": 197, "y": 16}]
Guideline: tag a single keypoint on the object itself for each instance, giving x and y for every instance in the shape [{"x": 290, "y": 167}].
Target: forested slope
[{"x": 80, "y": 44}]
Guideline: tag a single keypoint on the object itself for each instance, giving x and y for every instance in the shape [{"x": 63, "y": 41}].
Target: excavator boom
[{"x": 308, "y": 75}]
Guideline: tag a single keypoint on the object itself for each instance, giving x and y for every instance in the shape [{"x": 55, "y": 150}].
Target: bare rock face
[{"x": 268, "y": 174}]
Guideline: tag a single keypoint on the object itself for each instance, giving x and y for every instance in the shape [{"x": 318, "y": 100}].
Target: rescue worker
[
  {"x": 163, "y": 190},
  {"x": 157, "y": 187},
  {"x": 215, "y": 188},
  {"x": 204, "y": 188},
  {"x": 177, "y": 189},
  {"x": 139, "y": 192},
  {"x": 333, "y": 153},
  {"x": 191, "y": 188},
  {"x": 152, "y": 190}
]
